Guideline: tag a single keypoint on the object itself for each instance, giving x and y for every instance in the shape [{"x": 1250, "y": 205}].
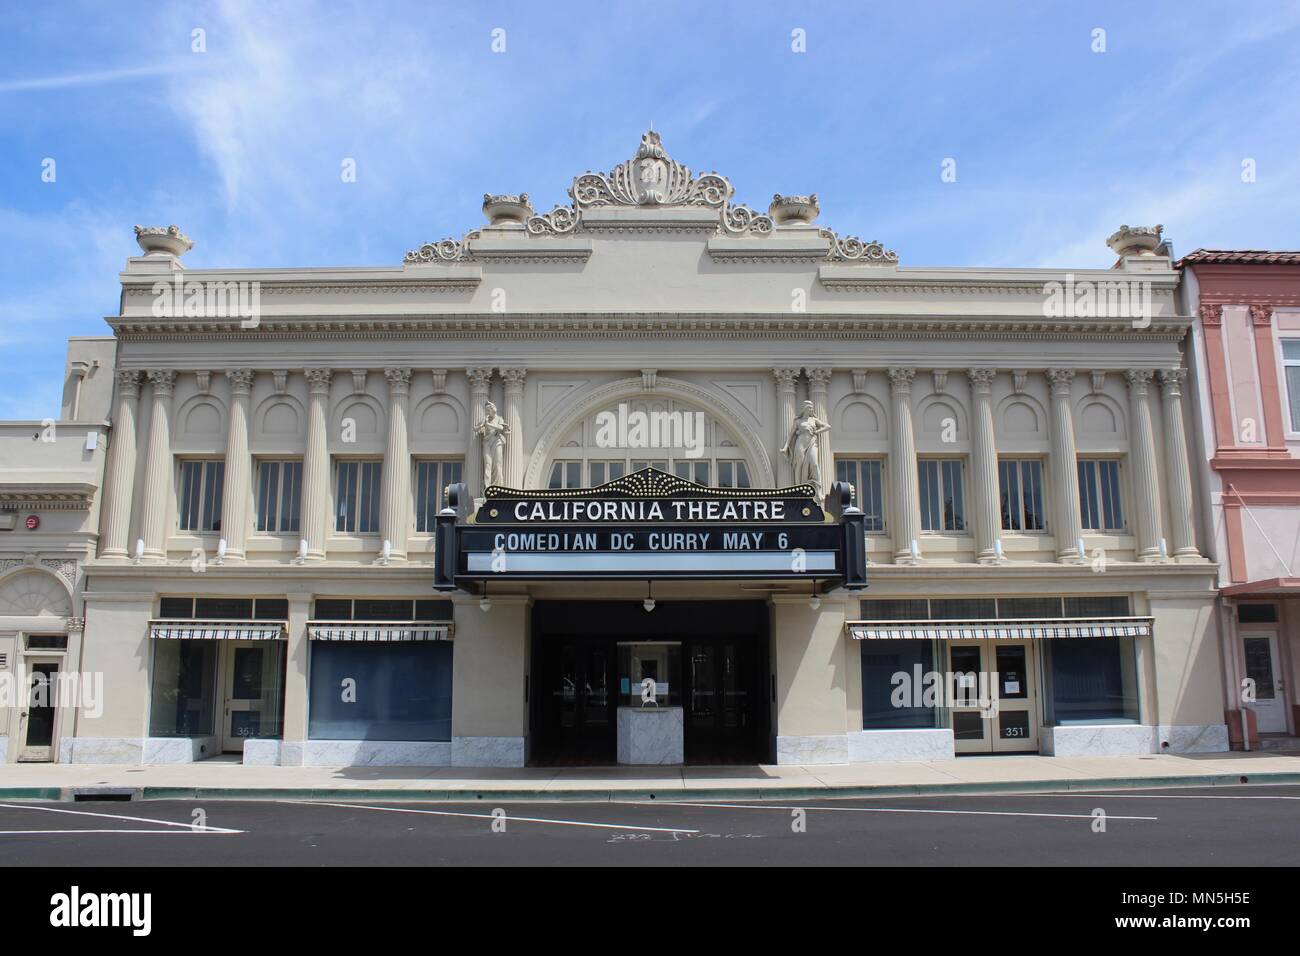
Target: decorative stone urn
[
  {"x": 505, "y": 210},
  {"x": 793, "y": 210},
  {"x": 1135, "y": 240},
  {"x": 159, "y": 241}
]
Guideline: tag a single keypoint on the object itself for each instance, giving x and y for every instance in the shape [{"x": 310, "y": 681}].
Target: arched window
[{"x": 637, "y": 433}]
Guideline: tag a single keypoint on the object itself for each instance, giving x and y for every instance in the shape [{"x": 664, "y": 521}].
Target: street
[{"x": 1248, "y": 826}]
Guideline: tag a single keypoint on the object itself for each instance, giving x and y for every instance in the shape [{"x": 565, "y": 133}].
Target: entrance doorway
[
  {"x": 995, "y": 707},
  {"x": 39, "y": 717},
  {"x": 718, "y": 653},
  {"x": 1260, "y": 651},
  {"x": 252, "y": 682}
]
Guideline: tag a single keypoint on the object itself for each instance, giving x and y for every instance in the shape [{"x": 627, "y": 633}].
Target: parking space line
[
  {"x": 181, "y": 827},
  {"x": 975, "y": 813},
  {"x": 489, "y": 816},
  {"x": 185, "y": 832}
]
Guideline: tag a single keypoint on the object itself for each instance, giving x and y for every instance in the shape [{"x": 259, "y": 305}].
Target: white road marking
[
  {"x": 181, "y": 827},
  {"x": 185, "y": 832},
  {"x": 489, "y": 816},
  {"x": 1156, "y": 796},
  {"x": 975, "y": 813}
]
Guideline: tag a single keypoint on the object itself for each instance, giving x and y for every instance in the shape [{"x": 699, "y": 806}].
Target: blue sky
[{"x": 242, "y": 145}]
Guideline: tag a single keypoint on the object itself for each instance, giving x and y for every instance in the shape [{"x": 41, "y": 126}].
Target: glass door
[
  {"x": 253, "y": 676},
  {"x": 37, "y": 719},
  {"x": 721, "y": 699},
  {"x": 577, "y": 706},
  {"x": 1260, "y": 651},
  {"x": 994, "y": 696}
]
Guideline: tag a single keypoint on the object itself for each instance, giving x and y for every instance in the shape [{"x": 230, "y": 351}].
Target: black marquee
[{"x": 651, "y": 525}]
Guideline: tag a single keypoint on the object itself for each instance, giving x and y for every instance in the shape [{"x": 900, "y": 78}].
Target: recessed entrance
[
  {"x": 712, "y": 662},
  {"x": 995, "y": 705}
]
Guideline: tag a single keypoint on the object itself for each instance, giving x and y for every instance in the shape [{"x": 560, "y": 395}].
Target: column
[
  {"x": 1273, "y": 398},
  {"x": 904, "y": 493},
  {"x": 1178, "y": 475},
  {"x": 480, "y": 386},
  {"x": 513, "y": 414},
  {"x": 158, "y": 465},
  {"x": 1142, "y": 452},
  {"x": 1065, "y": 468},
  {"x": 239, "y": 466},
  {"x": 984, "y": 466},
  {"x": 396, "y": 495},
  {"x": 786, "y": 378},
  {"x": 316, "y": 464},
  {"x": 818, "y": 381},
  {"x": 121, "y": 469}
]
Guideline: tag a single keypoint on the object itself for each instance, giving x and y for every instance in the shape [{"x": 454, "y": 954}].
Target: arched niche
[
  {"x": 361, "y": 418},
  {"x": 1100, "y": 421},
  {"x": 200, "y": 424},
  {"x": 859, "y": 418},
  {"x": 439, "y": 424},
  {"x": 279, "y": 425},
  {"x": 930, "y": 417},
  {"x": 569, "y": 431},
  {"x": 1021, "y": 418}
]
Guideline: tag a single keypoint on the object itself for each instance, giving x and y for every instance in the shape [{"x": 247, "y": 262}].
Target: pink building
[{"x": 1246, "y": 372}]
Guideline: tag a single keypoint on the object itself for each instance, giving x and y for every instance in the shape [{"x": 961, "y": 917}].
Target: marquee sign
[{"x": 650, "y": 525}]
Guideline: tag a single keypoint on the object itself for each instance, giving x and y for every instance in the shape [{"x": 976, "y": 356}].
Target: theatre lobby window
[{"x": 380, "y": 670}]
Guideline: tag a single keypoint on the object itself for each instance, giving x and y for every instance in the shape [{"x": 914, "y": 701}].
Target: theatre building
[{"x": 650, "y": 477}]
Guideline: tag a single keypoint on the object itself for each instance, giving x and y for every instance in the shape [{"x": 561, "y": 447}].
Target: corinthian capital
[
  {"x": 241, "y": 380},
  {"x": 900, "y": 378},
  {"x": 319, "y": 379},
  {"x": 786, "y": 378},
  {"x": 480, "y": 378},
  {"x": 163, "y": 381},
  {"x": 1138, "y": 380},
  {"x": 1061, "y": 379},
  {"x": 399, "y": 380},
  {"x": 1171, "y": 380},
  {"x": 1211, "y": 315},
  {"x": 981, "y": 379},
  {"x": 818, "y": 378},
  {"x": 128, "y": 382},
  {"x": 514, "y": 378},
  {"x": 1261, "y": 315}
]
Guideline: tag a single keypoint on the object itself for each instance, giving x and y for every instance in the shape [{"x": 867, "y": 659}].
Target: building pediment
[{"x": 652, "y": 193}]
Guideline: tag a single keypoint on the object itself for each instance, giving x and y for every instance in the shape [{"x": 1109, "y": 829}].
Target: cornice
[
  {"x": 760, "y": 326},
  {"x": 48, "y": 496}
]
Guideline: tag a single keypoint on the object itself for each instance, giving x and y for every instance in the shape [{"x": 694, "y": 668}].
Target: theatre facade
[{"x": 651, "y": 477}]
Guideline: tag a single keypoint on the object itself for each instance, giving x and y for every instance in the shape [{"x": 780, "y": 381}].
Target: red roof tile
[{"x": 1252, "y": 257}]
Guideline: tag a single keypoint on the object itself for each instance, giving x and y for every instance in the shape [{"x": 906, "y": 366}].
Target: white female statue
[
  {"x": 801, "y": 448},
  {"x": 493, "y": 430}
]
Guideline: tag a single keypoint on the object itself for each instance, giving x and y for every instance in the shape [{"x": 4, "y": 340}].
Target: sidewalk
[{"x": 218, "y": 780}]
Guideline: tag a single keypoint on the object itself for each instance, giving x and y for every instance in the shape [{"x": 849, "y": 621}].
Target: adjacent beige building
[{"x": 282, "y": 441}]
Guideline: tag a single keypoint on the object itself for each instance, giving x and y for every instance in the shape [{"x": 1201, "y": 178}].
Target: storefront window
[
  {"x": 1090, "y": 680},
  {"x": 366, "y": 690},
  {"x": 660, "y": 661},
  {"x": 184, "y": 681},
  {"x": 896, "y": 693}
]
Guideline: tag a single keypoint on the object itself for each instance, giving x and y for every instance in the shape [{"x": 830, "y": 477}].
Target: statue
[
  {"x": 493, "y": 430},
  {"x": 801, "y": 448}
]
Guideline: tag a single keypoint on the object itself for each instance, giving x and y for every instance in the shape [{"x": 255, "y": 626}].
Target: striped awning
[
  {"x": 217, "y": 630},
  {"x": 388, "y": 631},
  {"x": 998, "y": 630}
]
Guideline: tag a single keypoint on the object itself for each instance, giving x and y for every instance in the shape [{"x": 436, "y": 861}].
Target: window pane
[
  {"x": 372, "y": 471},
  {"x": 617, "y": 469},
  {"x": 1109, "y": 471},
  {"x": 742, "y": 475},
  {"x": 1293, "y": 394},
  {"x": 725, "y": 478},
  {"x": 1105, "y": 605},
  {"x": 1291, "y": 350},
  {"x": 955, "y": 498},
  {"x": 268, "y": 481},
  {"x": 872, "y": 503},
  {"x": 894, "y": 681},
  {"x": 962, "y": 609},
  {"x": 1009, "y": 490},
  {"x": 1016, "y": 608},
  {"x": 597, "y": 471},
  {"x": 452, "y": 474},
  {"x": 345, "y": 495},
  {"x": 557, "y": 476},
  {"x": 573, "y": 474},
  {"x": 183, "y": 693},
  {"x": 895, "y": 609},
  {"x": 1032, "y": 473},
  {"x": 1088, "y": 511},
  {"x": 223, "y": 609},
  {"x": 426, "y": 476},
  {"x": 214, "y": 479},
  {"x": 1090, "y": 680},
  {"x": 928, "y": 479},
  {"x": 403, "y": 691}
]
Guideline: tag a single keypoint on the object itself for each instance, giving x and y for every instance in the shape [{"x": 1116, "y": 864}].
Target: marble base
[
  {"x": 1098, "y": 740},
  {"x": 651, "y": 736},
  {"x": 489, "y": 751},
  {"x": 262, "y": 753},
  {"x": 875, "y": 746},
  {"x": 4, "y": 748},
  {"x": 1192, "y": 738},
  {"x": 179, "y": 749},
  {"x": 102, "y": 750},
  {"x": 823, "y": 748},
  {"x": 370, "y": 753}
]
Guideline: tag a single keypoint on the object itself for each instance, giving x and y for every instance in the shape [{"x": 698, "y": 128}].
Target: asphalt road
[{"x": 1241, "y": 826}]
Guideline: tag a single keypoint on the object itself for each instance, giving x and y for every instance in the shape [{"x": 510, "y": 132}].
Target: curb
[{"x": 605, "y": 795}]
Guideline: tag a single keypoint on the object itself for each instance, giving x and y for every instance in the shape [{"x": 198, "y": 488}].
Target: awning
[
  {"x": 217, "y": 630},
  {"x": 998, "y": 630},
  {"x": 395, "y": 631},
  {"x": 1268, "y": 587}
]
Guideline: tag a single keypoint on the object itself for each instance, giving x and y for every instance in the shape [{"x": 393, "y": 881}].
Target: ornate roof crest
[{"x": 652, "y": 178}]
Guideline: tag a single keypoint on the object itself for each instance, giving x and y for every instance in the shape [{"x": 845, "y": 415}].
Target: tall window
[
  {"x": 866, "y": 477},
  {"x": 943, "y": 502},
  {"x": 603, "y": 471},
  {"x": 279, "y": 496},
  {"x": 200, "y": 501},
  {"x": 565, "y": 474},
  {"x": 732, "y": 474},
  {"x": 1291, "y": 364},
  {"x": 431, "y": 481},
  {"x": 1020, "y": 485},
  {"x": 696, "y": 471},
  {"x": 1099, "y": 498},
  {"x": 356, "y": 497}
]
